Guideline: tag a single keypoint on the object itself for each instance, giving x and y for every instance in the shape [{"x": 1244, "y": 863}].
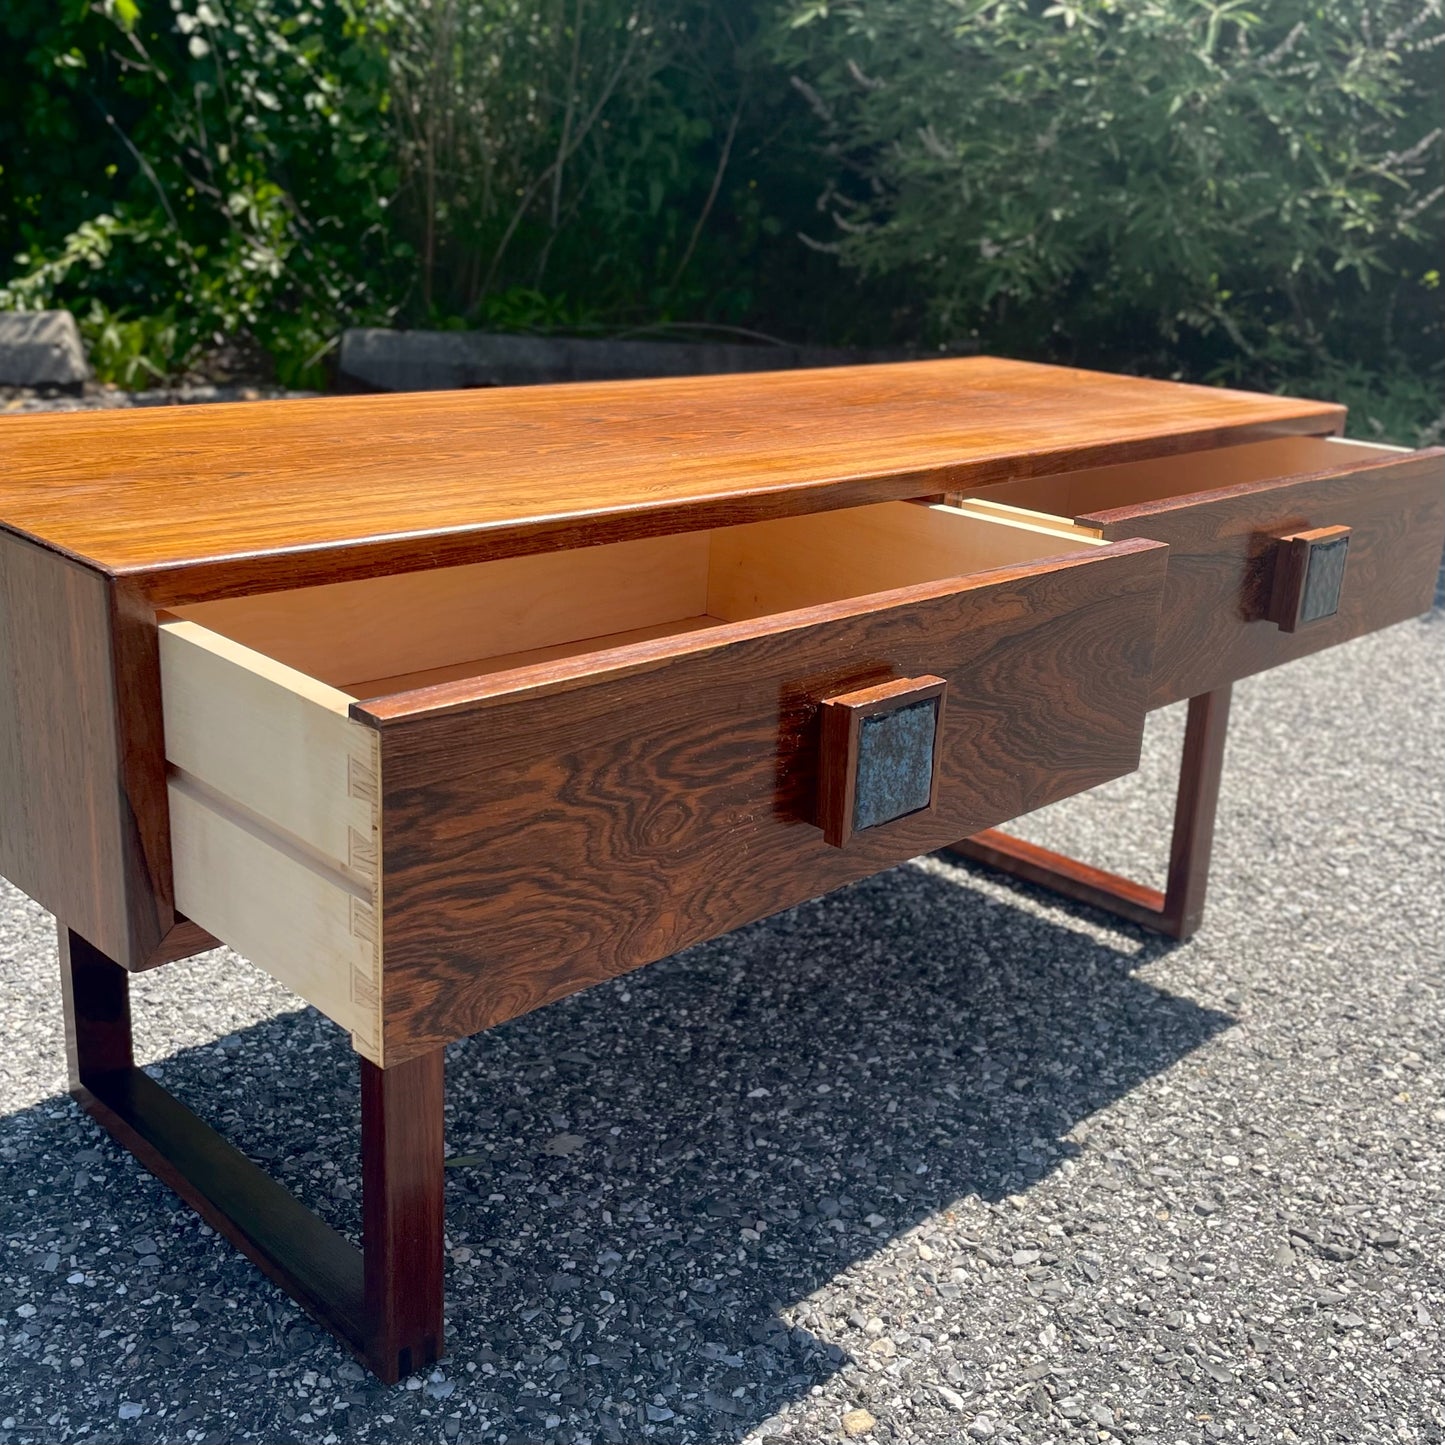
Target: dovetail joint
[
  {"x": 363, "y": 921},
  {"x": 361, "y": 853},
  {"x": 361, "y": 780},
  {"x": 363, "y": 990}
]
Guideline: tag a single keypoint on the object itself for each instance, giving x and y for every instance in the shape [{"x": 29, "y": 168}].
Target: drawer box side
[
  {"x": 308, "y": 928},
  {"x": 275, "y": 822},
  {"x": 274, "y": 740}
]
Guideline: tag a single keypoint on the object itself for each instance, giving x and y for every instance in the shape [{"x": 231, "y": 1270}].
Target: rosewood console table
[{"x": 441, "y": 707}]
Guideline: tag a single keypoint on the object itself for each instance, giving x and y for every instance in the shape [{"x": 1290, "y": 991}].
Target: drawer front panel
[
  {"x": 573, "y": 826},
  {"x": 1225, "y": 549}
]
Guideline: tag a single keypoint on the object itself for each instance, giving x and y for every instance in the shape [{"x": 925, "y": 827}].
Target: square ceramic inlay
[{"x": 895, "y": 763}]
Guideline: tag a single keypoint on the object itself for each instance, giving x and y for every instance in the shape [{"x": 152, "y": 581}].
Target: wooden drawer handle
[
  {"x": 1309, "y": 571},
  {"x": 879, "y": 762}
]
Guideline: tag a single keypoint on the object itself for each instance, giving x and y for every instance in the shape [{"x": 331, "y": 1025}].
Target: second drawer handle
[
  {"x": 1309, "y": 573},
  {"x": 880, "y": 748}
]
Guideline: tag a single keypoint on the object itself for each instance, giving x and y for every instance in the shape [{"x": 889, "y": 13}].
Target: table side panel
[
  {"x": 540, "y": 841},
  {"x": 70, "y": 836}
]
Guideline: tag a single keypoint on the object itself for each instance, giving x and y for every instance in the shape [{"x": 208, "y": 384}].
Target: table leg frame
[
  {"x": 383, "y": 1300},
  {"x": 1179, "y": 910}
]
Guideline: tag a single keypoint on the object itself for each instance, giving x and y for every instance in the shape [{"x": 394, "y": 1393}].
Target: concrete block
[
  {"x": 375, "y": 359},
  {"x": 41, "y": 349}
]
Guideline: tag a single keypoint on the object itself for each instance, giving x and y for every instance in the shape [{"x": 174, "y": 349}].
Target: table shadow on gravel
[{"x": 644, "y": 1176}]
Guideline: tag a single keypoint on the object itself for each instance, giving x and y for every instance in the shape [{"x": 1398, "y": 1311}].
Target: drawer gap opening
[
  {"x": 392, "y": 634},
  {"x": 1096, "y": 490}
]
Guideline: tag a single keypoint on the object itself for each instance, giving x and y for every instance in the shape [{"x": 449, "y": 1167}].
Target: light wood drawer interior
[
  {"x": 274, "y": 788},
  {"x": 391, "y": 634},
  {"x": 1105, "y": 489}
]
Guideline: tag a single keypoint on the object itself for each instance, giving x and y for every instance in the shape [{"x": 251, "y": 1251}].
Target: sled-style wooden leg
[
  {"x": 1177, "y": 911},
  {"x": 383, "y": 1300}
]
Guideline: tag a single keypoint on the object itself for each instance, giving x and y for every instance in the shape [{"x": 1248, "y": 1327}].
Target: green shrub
[
  {"x": 591, "y": 163},
  {"x": 1197, "y": 186},
  {"x": 1179, "y": 187},
  {"x": 272, "y": 169},
  {"x": 182, "y": 176}
]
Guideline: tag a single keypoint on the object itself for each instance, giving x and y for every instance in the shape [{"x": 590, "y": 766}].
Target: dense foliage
[
  {"x": 181, "y": 178},
  {"x": 1208, "y": 187},
  {"x": 1184, "y": 187}
]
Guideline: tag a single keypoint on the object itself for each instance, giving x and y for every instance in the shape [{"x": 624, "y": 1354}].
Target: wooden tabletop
[{"x": 208, "y": 501}]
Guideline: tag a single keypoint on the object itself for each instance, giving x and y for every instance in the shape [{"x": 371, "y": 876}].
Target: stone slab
[
  {"x": 377, "y": 359},
  {"x": 41, "y": 349}
]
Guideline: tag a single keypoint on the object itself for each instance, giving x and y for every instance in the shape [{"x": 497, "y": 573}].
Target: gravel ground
[
  {"x": 97, "y": 397},
  {"x": 932, "y": 1159},
  {"x": 930, "y": 1148}
]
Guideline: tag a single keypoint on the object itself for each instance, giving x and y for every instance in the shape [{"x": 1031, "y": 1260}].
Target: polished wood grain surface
[
  {"x": 216, "y": 501},
  {"x": 76, "y": 833},
  {"x": 1224, "y": 520},
  {"x": 1215, "y": 624},
  {"x": 576, "y": 823}
]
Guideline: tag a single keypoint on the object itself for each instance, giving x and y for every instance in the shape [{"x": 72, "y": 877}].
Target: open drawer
[
  {"x": 429, "y": 802},
  {"x": 1276, "y": 548}
]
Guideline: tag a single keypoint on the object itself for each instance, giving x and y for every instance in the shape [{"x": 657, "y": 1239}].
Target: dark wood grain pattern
[
  {"x": 384, "y": 1300},
  {"x": 1215, "y": 626},
  {"x": 70, "y": 833},
  {"x": 1179, "y": 911},
  {"x": 577, "y": 821},
  {"x": 1200, "y": 771},
  {"x": 403, "y": 1167},
  {"x": 205, "y": 502}
]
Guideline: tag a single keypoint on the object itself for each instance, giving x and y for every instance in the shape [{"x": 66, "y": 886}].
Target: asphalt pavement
[{"x": 932, "y": 1159}]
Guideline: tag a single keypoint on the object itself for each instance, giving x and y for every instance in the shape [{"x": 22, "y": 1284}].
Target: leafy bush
[
  {"x": 1198, "y": 186},
  {"x": 271, "y": 169},
  {"x": 1180, "y": 187},
  {"x": 183, "y": 177},
  {"x": 531, "y": 129},
  {"x": 594, "y": 163}
]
